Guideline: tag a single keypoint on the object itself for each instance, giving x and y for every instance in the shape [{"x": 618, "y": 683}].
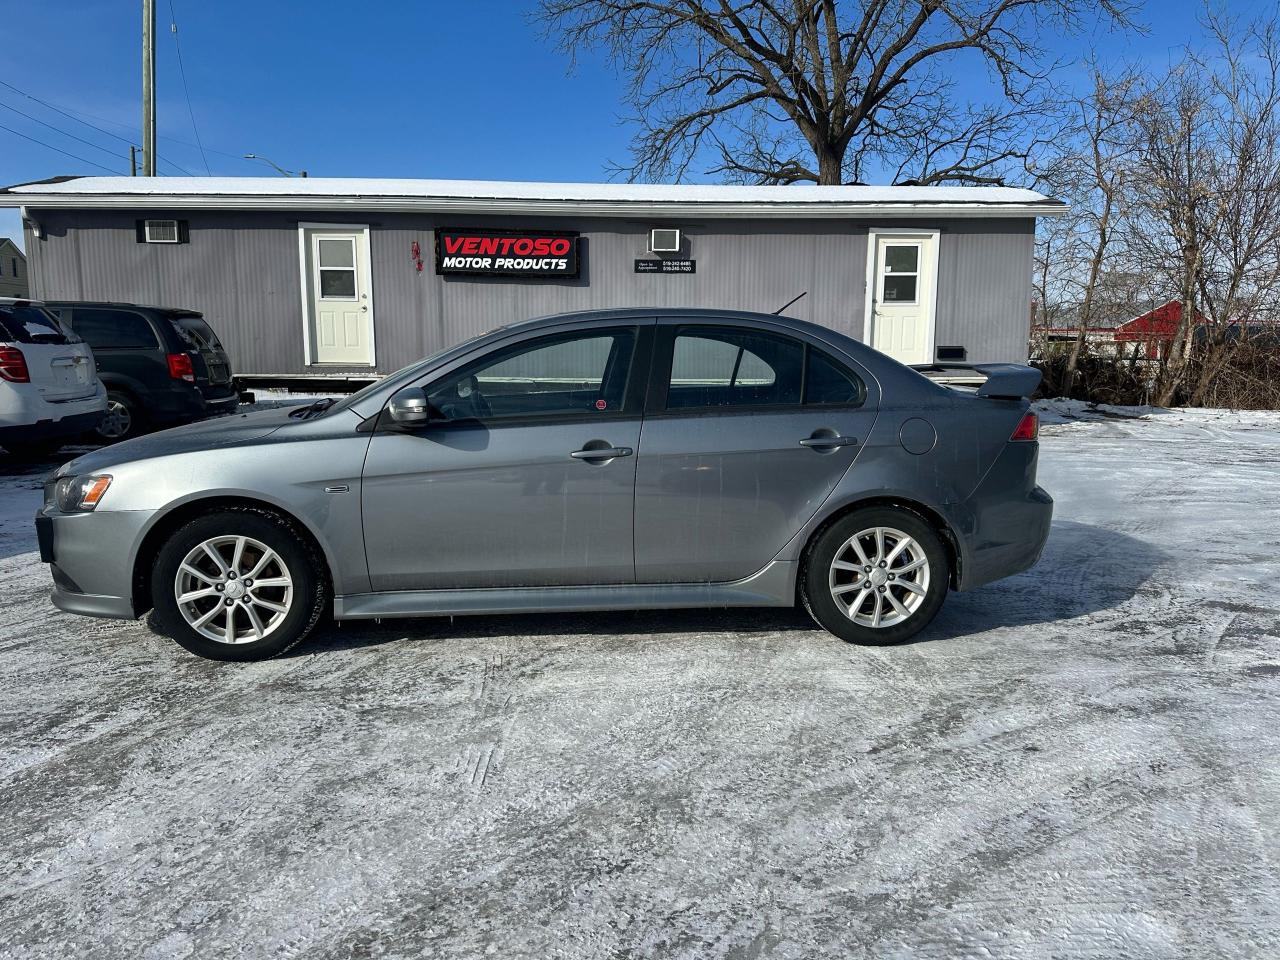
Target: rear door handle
[
  {"x": 602, "y": 453},
  {"x": 824, "y": 442}
]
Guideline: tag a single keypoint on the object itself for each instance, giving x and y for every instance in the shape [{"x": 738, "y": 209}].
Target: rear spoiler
[{"x": 1005, "y": 381}]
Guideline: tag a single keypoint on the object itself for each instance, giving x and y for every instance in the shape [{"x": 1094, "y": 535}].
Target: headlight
[{"x": 80, "y": 494}]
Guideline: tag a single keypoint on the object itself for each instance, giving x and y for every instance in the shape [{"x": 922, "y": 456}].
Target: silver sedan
[{"x": 608, "y": 460}]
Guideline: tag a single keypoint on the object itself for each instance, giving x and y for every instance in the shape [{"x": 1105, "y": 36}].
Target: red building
[{"x": 1156, "y": 328}]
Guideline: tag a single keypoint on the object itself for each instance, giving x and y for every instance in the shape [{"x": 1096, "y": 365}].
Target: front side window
[
  {"x": 727, "y": 367},
  {"x": 114, "y": 329},
  {"x": 583, "y": 375}
]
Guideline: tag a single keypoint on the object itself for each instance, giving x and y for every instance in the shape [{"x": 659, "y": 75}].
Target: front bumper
[{"x": 91, "y": 559}]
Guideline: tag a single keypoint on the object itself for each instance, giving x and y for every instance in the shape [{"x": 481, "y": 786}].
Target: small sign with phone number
[{"x": 666, "y": 266}]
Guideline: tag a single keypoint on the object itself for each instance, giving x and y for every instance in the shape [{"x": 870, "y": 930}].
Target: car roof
[
  {"x": 21, "y": 302},
  {"x": 109, "y": 304}
]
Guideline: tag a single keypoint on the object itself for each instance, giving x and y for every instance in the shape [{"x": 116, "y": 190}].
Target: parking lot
[{"x": 1076, "y": 762}]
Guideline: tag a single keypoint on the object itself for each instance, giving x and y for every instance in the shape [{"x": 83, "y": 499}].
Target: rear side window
[
  {"x": 725, "y": 367},
  {"x": 114, "y": 329},
  {"x": 29, "y": 324},
  {"x": 827, "y": 382},
  {"x": 195, "y": 330}
]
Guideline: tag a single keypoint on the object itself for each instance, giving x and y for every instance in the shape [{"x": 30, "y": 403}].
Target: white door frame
[
  {"x": 871, "y": 287},
  {"x": 366, "y": 284}
]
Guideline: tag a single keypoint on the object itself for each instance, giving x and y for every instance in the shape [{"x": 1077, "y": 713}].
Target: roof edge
[{"x": 763, "y": 209}]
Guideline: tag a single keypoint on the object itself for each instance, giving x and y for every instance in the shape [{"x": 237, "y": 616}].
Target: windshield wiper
[{"x": 311, "y": 409}]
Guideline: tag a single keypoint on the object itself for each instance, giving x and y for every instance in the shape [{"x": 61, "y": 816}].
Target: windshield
[
  {"x": 24, "y": 323},
  {"x": 195, "y": 330}
]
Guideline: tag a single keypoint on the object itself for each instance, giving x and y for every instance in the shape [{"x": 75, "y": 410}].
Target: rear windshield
[
  {"x": 29, "y": 324},
  {"x": 199, "y": 333}
]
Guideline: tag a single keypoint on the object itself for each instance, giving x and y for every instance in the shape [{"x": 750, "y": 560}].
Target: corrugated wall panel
[
  {"x": 984, "y": 288},
  {"x": 241, "y": 270}
]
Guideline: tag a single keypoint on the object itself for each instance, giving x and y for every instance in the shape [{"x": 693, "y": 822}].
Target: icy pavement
[{"x": 1077, "y": 762}]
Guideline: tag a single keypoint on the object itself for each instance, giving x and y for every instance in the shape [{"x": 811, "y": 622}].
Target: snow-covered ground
[{"x": 1076, "y": 762}]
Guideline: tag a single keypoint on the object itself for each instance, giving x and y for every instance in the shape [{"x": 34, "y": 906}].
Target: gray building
[
  {"x": 13, "y": 270},
  {"x": 352, "y": 277}
]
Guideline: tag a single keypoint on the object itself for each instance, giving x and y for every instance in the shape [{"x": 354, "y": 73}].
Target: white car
[{"x": 49, "y": 387}]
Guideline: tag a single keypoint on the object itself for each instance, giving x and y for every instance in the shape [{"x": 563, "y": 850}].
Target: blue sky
[{"x": 416, "y": 88}]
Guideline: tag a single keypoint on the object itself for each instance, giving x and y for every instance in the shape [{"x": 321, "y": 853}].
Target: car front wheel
[
  {"x": 876, "y": 576},
  {"x": 237, "y": 585}
]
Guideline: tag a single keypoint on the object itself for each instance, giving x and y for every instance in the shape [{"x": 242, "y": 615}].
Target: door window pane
[
  {"x": 901, "y": 289},
  {"x": 584, "y": 375},
  {"x": 721, "y": 367},
  {"x": 901, "y": 259},
  {"x": 114, "y": 329},
  {"x": 337, "y": 253},
  {"x": 827, "y": 382},
  {"x": 338, "y": 284},
  {"x": 901, "y": 273}
]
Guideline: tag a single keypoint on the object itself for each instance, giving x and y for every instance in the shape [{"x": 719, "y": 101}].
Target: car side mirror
[{"x": 409, "y": 407}]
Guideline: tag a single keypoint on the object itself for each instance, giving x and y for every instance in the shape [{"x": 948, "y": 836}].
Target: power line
[
  {"x": 59, "y": 150},
  {"x": 57, "y": 109},
  {"x": 69, "y": 113},
  {"x": 182, "y": 72},
  {"x": 57, "y": 129}
]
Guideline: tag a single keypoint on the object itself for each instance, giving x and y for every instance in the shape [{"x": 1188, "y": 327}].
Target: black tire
[
  {"x": 33, "y": 452},
  {"x": 124, "y": 418},
  {"x": 301, "y": 560},
  {"x": 816, "y": 577}
]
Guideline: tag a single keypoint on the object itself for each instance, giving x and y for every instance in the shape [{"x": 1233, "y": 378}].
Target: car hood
[{"x": 205, "y": 435}]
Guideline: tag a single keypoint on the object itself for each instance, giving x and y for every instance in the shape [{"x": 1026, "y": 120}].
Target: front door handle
[
  {"x": 601, "y": 453},
  {"x": 824, "y": 443}
]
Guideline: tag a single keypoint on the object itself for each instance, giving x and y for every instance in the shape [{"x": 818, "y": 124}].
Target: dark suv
[{"x": 161, "y": 366}]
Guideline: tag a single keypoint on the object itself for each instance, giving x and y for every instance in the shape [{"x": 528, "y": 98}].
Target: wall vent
[
  {"x": 161, "y": 231},
  {"x": 663, "y": 240}
]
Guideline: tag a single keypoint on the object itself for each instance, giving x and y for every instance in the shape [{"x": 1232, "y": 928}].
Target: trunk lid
[
  {"x": 213, "y": 365},
  {"x": 59, "y": 363}
]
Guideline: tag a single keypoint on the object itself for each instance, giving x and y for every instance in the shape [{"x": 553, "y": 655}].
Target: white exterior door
[
  {"x": 902, "y": 278},
  {"x": 337, "y": 296}
]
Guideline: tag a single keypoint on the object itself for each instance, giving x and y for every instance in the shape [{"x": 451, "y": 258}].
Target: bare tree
[
  {"x": 1206, "y": 206},
  {"x": 828, "y": 91},
  {"x": 1090, "y": 165}
]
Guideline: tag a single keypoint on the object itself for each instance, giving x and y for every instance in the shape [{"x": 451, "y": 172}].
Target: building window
[{"x": 162, "y": 231}]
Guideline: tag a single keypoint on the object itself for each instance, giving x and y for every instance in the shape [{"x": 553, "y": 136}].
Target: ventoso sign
[{"x": 522, "y": 253}]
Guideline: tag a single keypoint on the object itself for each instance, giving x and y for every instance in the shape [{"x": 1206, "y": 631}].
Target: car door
[
  {"x": 525, "y": 476},
  {"x": 746, "y": 432}
]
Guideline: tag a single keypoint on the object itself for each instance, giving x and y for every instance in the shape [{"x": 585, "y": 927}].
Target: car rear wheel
[
  {"x": 122, "y": 421},
  {"x": 237, "y": 585},
  {"x": 876, "y": 576}
]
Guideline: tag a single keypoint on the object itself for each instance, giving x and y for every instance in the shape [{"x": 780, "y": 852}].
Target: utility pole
[
  {"x": 133, "y": 160},
  {"x": 148, "y": 88}
]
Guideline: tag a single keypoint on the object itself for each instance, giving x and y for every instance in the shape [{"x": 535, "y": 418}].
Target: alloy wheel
[
  {"x": 233, "y": 589},
  {"x": 117, "y": 422},
  {"x": 879, "y": 577}
]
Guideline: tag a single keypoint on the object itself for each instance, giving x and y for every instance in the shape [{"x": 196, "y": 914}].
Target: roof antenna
[{"x": 789, "y": 303}]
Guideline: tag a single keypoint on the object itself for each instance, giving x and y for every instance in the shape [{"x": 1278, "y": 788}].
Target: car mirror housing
[{"x": 409, "y": 407}]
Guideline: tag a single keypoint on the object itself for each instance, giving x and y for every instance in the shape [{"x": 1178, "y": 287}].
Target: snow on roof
[{"x": 480, "y": 195}]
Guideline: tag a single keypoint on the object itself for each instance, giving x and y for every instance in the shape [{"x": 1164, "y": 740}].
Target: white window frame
[
  {"x": 354, "y": 269},
  {"x": 308, "y": 350},
  {"x": 146, "y": 231},
  {"x": 871, "y": 283},
  {"x": 883, "y": 275}
]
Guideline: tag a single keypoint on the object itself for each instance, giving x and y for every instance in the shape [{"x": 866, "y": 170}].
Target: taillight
[
  {"x": 180, "y": 367},
  {"x": 13, "y": 365},
  {"x": 1028, "y": 428}
]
